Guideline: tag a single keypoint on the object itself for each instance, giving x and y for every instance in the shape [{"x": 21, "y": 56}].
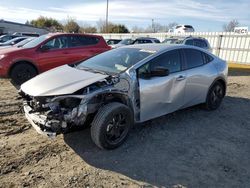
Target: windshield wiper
[{"x": 92, "y": 70}]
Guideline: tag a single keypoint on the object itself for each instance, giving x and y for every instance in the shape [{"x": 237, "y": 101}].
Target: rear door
[
  {"x": 200, "y": 75},
  {"x": 82, "y": 47},
  {"x": 162, "y": 95}
]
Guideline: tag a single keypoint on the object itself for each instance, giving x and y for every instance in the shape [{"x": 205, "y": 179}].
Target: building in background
[{"x": 7, "y": 27}]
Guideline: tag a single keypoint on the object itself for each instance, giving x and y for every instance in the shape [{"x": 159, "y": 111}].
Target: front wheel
[
  {"x": 22, "y": 72},
  {"x": 111, "y": 125},
  {"x": 215, "y": 96}
]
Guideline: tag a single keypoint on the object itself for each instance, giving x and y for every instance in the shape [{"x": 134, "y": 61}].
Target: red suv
[{"x": 46, "y": 52}]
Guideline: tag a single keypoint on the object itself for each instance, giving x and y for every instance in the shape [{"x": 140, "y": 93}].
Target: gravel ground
[{"x": 188, "y": 148}]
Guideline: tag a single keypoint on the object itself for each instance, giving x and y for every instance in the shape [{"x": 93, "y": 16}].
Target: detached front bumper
[{"x": 38, "y": 121}]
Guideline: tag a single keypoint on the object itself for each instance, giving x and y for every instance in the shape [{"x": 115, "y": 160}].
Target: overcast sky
[{"x": 204, "y": 15}]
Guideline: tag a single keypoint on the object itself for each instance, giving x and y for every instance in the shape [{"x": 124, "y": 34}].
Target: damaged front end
[{"x": 52, "y": 115}]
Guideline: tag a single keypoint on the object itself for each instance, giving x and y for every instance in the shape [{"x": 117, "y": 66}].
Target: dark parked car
[
  {"x": 123, "y": 42},
  {"x": 19, "y": 44},
  {"x": 13, "y": 41},
  {"x": 47, "y": 52},
  {"x": 144, "y": 40},
  {"x": 5, "y": 38},
  {"x": 113, "y": 41},
  {"x": 193, "y": 41}
]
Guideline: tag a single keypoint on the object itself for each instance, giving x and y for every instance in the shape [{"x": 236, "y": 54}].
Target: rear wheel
[
  {"x": 215, "y": 96},
  {"x": 111, "y": 125},
  {"x": 21, "y": 73}
]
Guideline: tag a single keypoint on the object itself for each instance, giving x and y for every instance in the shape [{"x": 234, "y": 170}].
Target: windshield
[
  {"x": 126, "y": 41},
  {"x": 115, "y": 61},
  {"x": 172, "y": 41},
  {"x": 35, "y": 42},
  {"x": 19, "y": 44},
  {"x": 12, "y": 40}
]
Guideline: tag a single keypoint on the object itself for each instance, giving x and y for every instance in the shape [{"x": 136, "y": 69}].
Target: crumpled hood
[{"x": 60, "y": 81}]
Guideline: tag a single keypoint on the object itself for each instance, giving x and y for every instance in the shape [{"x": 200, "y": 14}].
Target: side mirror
[
  {"x": 44, "y": 48},
  {"x": 159, "y": 71}
]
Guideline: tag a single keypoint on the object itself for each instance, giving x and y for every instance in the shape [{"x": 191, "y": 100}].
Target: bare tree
[
  {"x": 87, "y": 28},
  {"x": 229, "y": 27},
  {"x": 71, "y": 26},
  {"x": 101, "y": 26},
  {"x": 136, "y": 29},
  {"x": 171, "y": 25}
]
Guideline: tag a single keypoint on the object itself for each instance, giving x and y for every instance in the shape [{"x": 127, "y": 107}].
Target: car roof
[
  {"x": 148, "y": 38},
  {"x": 161, "y": 47},
  {"x": 185, "y": 37},
  {"x": 153, "y": 46},
  {"x": 83, "y": 34}
]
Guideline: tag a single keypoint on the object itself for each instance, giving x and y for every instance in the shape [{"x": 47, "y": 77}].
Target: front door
[
  {"x": 164, "y": 94},
  {"x": 55, "y": 54}
]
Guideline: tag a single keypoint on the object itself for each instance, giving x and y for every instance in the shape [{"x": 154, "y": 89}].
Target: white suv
[{"x": 182, "y": 29}]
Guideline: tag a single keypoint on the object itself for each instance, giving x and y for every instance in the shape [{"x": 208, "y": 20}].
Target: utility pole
[
  {"x": 153, "y": 27},
  {"x": 107, "y": 15}
]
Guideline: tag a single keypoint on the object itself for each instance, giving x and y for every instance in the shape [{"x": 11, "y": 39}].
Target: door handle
[{"x": 181, "y": 77}]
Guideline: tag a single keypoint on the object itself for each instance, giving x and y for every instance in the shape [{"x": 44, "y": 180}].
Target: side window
[
  {"x": 57, "y": 43},
  {"x": 170, "y": 60},
  {"x": 77, "y": 41},
  {"x": 207, "y": 58},
  {"x": 189, "y": 42},
  {"x": 194, "y": 58},
  {"x": 147, "y": 41},
  {"x": 157, "y": 41},
  {"x": 204, "y": 43}
]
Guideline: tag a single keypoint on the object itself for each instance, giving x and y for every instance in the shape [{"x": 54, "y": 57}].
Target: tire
[
  {"x": 111, "y": 125},
  {"x": 22, "y": 72},
  {"x": 215, "y": 96}
]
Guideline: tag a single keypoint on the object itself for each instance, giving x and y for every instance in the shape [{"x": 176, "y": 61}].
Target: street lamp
[{"x": 107, "y": 14}]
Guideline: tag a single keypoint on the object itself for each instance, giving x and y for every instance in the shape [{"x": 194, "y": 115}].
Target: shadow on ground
[{"x": 191, "y": 147}]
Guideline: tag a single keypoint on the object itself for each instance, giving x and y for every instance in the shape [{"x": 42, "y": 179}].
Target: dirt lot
[{"x": 189, "y": 148}]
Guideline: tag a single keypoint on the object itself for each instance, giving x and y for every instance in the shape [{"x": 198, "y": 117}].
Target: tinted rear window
[
  {"x": 188, "y": 26},
  {"x": 190, "y": 42}
]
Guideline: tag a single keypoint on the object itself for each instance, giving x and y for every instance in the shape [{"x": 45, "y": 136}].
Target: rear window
[
  {"x": 194, "y": 58},
  {"x": 200, "y": 43},
  {"x": 173, "y": 41},
  {"x": 190, "y": 42},
  {"x": 188, "y": 26},
  {"x": 142, "y": 41}
]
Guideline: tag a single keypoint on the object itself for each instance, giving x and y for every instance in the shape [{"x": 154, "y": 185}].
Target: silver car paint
[
  {"x": 178, "y": 90},
  {"x": 156, "y": 96},
  {"x": 60, "y": 81}
]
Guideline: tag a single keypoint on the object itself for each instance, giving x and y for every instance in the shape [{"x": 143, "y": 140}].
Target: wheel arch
[
  {"x": 106, "y": 98},
  {"x": 23, "y": 61},
  {"x": 220, "y": 80}
]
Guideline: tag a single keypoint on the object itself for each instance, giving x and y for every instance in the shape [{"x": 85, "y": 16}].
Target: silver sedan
[{"x": 115, "y": 89}]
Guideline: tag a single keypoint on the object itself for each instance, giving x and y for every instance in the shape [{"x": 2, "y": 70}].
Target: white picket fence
[{"x": 234, "y": 48}]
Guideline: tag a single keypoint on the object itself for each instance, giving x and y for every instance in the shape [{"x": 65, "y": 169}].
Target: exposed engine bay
[{"x": 58, "y": 114}]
